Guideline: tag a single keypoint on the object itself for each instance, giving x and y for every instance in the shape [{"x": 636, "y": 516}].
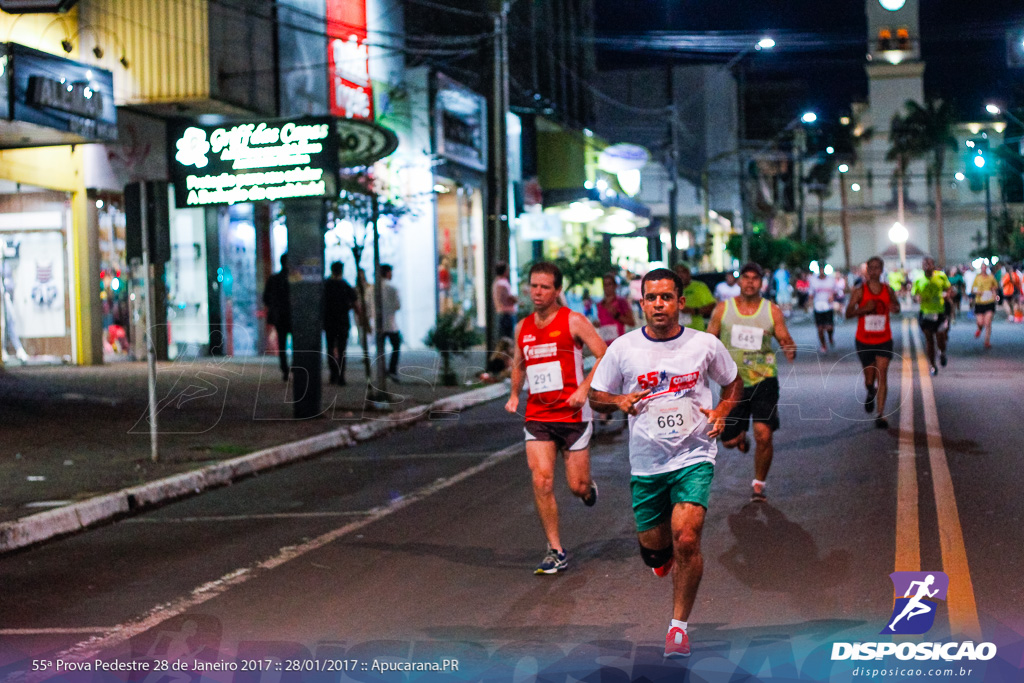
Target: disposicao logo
[{"x": 913, "y": 613}]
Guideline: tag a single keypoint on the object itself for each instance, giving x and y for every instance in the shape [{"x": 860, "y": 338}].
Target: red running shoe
[
  {"x": 677, "y": 643},
  {"x": 664, "y": 570}
]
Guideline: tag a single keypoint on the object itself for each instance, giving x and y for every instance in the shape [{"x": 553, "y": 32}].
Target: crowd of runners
[{"x": 660, "y": 374}]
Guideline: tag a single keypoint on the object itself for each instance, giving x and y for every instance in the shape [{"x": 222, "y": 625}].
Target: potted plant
[{"x": 453, "y": 333}]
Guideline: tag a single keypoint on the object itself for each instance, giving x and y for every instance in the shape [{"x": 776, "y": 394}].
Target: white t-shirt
[
  {"x": 822, "y": 290},
  {"x": 668, "y": 432},
  {"x": 726, "y": 291}
]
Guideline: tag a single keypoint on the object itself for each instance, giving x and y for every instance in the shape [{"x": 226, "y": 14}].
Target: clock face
[{"x": 892, "y": 5}]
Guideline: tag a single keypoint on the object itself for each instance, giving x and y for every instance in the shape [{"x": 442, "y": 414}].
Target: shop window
[{"x": 34, "y": 296}]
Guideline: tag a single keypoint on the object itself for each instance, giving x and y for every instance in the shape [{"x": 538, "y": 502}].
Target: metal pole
[
  {"x": 801, "y": 146},
  {"x": 147, "y": 284},
  {"x": 844, "y": 220},
  {"x": 741, "y": 134},
  {"x": 988, "y": 215},
  {"x": 673, "y": 170},
  {"x": 497, "y": 245},
  {"x": 378, "y": 297}
]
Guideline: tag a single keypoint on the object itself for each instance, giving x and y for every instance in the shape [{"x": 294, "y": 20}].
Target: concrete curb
[{"x": 79, "y": 516}]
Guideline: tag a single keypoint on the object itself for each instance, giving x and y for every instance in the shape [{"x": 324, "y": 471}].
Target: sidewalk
[{"x": 69, "y": 433}]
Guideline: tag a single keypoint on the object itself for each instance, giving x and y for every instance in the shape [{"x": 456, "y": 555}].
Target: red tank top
[
  {"x": 552, "y": 360},
  {"x": 872, "y": 330}
]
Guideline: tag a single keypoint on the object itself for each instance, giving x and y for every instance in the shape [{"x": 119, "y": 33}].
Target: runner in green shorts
[{"x": 660, "y": 376}]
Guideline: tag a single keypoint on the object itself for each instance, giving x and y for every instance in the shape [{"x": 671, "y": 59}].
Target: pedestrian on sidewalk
[
  {"x": 873, "y": 304},
  {"x": 339, "y": 301},
  {"x": 549, "y": 354},
  {"x": 504, "y": 301},
  {"x": 659, "y": 376},
  {"x": 277, "y": 299},
  {"x": 746, "y": 325},
  {"x": 390, "y": 307}
]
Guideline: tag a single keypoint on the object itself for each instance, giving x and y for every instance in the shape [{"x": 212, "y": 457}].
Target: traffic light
[{"x": 978, "y": 162}]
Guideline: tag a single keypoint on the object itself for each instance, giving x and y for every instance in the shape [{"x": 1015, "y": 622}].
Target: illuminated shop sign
[
  {"x": 253, "y": 161},
  {"x": 348, "y": 60},
  {"x": 53, "y": 100},
  {"x": 460, "y": 123}
]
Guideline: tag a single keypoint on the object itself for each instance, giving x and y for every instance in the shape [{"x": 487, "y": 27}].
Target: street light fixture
[
  {"x": 899, "y": 236},
  {"x": 765, "y": 43},
  {"x": 809, "y": 117}
]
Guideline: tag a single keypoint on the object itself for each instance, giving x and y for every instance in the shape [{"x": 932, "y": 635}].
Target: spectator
[
  {"x": 339, "y": 301},
  {"x": 504, "y": 301},
  {"x": 276, "y": 297}
]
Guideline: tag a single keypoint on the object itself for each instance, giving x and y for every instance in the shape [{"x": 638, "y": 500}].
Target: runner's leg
[
  {"x": 540, "y": 455},
  {"x": 577, "y": 471},
  {"x": 687, "y": 525},
  {"x": 764, "y": 450},
  {"x": 881, "y": 366}
]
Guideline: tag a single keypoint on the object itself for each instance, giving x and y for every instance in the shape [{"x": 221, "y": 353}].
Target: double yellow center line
[{"x": 963, "y": 611}]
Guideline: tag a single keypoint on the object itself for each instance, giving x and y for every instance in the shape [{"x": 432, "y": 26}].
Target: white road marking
[
  {"x": 908, "y": 531},
  {"x": 111, "y": 637},
  {"x": 52, "y": 631},
  {"x": 963, "y": 610},
  {"x": 245, "y": 518}
]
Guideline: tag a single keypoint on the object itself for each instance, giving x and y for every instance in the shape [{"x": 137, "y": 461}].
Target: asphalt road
[{"x": 419, "y": 548}]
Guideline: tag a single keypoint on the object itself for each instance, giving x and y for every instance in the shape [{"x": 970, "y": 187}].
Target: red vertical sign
[{"x": 348, "y": 62}]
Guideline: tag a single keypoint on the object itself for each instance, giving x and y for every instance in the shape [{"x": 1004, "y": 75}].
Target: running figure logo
[{"x": 917, "y": 594}]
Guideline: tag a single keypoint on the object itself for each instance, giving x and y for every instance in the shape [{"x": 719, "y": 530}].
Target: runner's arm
[
  {"x": 715, "y": 326},
  {"x": 731, "y": 394},
  {"x": 583, "y": 331},
  {"x": 894, "y": 301},
  {"x": 782, "y": 333},
  {"x": 603, "y": 402},
  {"x": 518, "y": 375},
  {"x": 853, "y": 304}
]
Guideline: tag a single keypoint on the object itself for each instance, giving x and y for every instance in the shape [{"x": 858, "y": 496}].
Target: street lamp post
[
  {"x": 801, "y": 150},
  {"x": 995, "y": 110},
  {"x": 899, "y": 235},
  {"x": 765, "y": 43}
]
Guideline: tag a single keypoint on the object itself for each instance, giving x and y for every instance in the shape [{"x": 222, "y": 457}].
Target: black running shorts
[{"x": 760, "y": 403}]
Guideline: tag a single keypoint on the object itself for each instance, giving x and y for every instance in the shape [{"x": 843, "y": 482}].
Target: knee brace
[{"x": 656, "y": 558}]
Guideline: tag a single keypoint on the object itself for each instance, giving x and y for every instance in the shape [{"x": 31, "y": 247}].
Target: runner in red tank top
[
  {"x": 549, "y": 354},
  {"x": 872, "y": 304}
]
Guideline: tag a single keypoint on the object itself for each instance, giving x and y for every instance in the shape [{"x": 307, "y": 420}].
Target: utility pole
[
  {"x": 800, "y": 140},
  {"x": 988, "y": 213},
  {"x": 497, "y": 245},
  {"x": 741, "y": 134},
  {"x": 673, "y": 169}
]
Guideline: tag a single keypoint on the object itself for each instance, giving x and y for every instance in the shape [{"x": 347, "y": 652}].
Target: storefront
[
  {"x": 460, "y": 138},
  {"x": 50, "y": 307}
]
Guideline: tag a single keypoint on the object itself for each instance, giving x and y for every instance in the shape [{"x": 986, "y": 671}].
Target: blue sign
[{"x": 72, "y": 101}]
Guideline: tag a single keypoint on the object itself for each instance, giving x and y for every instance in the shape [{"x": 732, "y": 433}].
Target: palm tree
[
  {"x": 903, "y": 142},
  {"x": 931, "y": 131}
]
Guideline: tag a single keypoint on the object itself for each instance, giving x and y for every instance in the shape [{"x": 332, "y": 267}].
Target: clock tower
[
  {"x": 895, "y": 74},
  {"x": 895, "y": 69}
]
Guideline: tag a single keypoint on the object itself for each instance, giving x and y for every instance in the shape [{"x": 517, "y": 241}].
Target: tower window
[
  {"x": 884, "y": 40},
  {"x": 902, "y": 39}
]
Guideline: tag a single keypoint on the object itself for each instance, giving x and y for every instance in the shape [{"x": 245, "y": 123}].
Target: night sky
[{"x": 819, "y": 61}]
